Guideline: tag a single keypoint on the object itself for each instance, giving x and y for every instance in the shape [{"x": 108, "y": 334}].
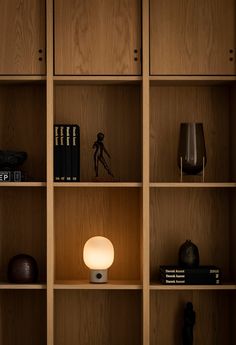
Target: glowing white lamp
[{"x": 98, "y": 255}]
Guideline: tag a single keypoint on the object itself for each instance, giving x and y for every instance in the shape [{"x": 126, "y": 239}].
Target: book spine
[
  {"x": 68, "y": 163},
  {"x": 189, "y": 276},
  {"x": 62, "y": 153},
  {"x": 75, "y": 153},
  {"x": 57, "y": 173},
  {"x": 198, "y": 270},
  {"x": 190, "y": 281}
]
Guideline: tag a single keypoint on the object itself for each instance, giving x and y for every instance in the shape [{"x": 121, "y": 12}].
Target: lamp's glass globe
[{"x": 98, "y": 253}]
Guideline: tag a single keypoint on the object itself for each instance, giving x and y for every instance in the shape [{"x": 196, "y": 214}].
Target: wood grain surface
[
  {"x": 172, "y": 105},
  {"x": 202, "y": 216},
  {"x": 23, "y": 227},
  {"x": 23, "y": 318},
  {"x": 23, "y": 125},
  {"x": 97, "y": 317},
  {"x": 192, "y": 37},
  {"x": 22, "y": 35},
  {"x": 97, "y": 37},
  {"x": 113, "y": 110},
  {"x": 83, "y": 213},
  {"x": 214, "y": 316}
]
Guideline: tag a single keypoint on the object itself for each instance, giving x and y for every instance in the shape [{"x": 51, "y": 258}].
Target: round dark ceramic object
[
  {"x": 22, "y": 269},
  {"x": 188, "y": 255},
  {"x": 10, "y": 160}
]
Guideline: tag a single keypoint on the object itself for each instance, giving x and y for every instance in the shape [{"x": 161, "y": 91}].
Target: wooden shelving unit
[{"x": 134, "y": 70}]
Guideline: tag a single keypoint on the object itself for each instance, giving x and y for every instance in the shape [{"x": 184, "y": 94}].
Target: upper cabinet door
[
  {"x": 22, "y": 37},
  {"x": 192, "y": 37},
  {"x": 97, "y": 37}
]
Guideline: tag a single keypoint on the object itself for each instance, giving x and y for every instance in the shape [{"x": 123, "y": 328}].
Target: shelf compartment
[
  {"x": 23, "y": 37},
  {"x": 190, "y": 39},
  {"x": 23, "y": 227},
  {"x": 23, "y": 317},
  {"x": 106, "y": 35},
  {"x": 215, "y": 316},
  {"x": 82, "y": 213},
  {"x": 114, "y": 110},
  {"x": 23, "y": 125},
  {"x": 205, "y": 216},
  {"x": 97, "y": 317},
  {"x": 85, "y": 285},
  {"x": 214, "y": 106}
]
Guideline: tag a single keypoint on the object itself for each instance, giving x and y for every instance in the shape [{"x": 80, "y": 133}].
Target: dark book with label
[
  {"x": 68, "y": 153},
  {"x": 191, "y": 281},
  {"x": 75, "y": 153},
  {"x": 191, "y": 271},
  {"x": 194, "y": 276},
  {"x": 62, "y": 160},
  {"x": 57, "y": 165}
]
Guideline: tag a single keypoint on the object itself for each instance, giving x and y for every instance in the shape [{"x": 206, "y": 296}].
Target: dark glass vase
[{"x": 191, "y": 148}]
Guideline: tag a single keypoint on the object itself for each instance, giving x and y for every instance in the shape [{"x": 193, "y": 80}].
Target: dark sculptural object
[
  {"x": 188, "y": 255},
  {"x": 10, "y": 160},
  {"x": 189, "y": 321},
  {"x": 22, "y": 269},
  {"x": 191, "y": 149},
  {"x": 98, "y": 155}
]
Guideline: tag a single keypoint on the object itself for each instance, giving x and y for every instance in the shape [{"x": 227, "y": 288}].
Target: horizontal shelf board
[
  {"x": 97, "y": 79},
  {"x": 98, "y": 184},
  {"x": 15, "y": 79},
  {"x": 7, "y": 286},
  {"x": 191, "y": 80},
  {"x": 225, "y": 286},
  {"x": 85, "y": 285},
  {"x": 22, "y": 184},
  {"x": 193, "y": 184}
]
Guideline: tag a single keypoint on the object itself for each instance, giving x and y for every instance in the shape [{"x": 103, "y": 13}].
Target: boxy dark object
[
  {"x": 10, "y": 160},
  {"x": 22, "y": 269}
]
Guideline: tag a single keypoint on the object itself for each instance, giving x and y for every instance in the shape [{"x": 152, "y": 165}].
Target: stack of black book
[
  {"x": 202, "y": 275},
  {"x": 66, "y": 153}
]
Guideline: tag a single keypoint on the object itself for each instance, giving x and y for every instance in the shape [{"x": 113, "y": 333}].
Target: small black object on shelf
[
  {"x": 188, "y": 255},
  {"x": 22, "y": 269},
  {"x": 99, "y": 158},
  {"x": 10, "y": 160},
  {"x": 191, "y": 150},
  {"x": 189, "y": 322},
  {"x": 9, "y": 166}
]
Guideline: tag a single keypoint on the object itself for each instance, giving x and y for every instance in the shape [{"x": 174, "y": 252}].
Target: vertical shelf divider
[
  {"x": 50, "y": 191},
  {"x": 145, "y": 170}
]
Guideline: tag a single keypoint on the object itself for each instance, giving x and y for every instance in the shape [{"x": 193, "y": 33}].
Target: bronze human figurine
[
  {"x": 189, "y": 321},
  {"x": 98, "y": 155}
]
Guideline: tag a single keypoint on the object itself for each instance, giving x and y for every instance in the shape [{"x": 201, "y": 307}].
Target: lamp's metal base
[{"x": 98, "y": 276}]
